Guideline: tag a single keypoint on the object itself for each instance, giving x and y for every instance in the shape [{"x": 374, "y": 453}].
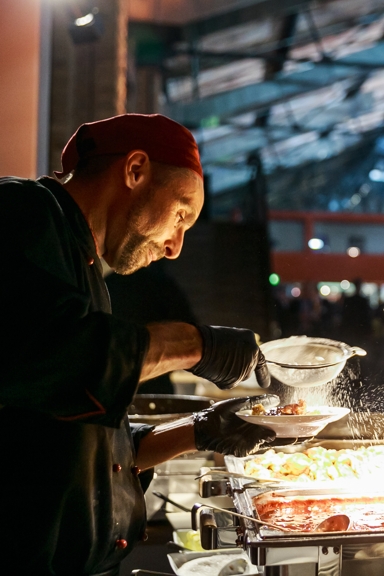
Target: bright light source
[
  {"x": 376, "y": 175},
  {"x": 85, "y": 20},
  {"x": 87, "y": 28},
  {"x": 325, "y": 290},
  {"x": 353, "y": 252},
  {"x": 295, "y": 292},
  {"x": 274, "y": 279},
  {"x": 316, "y": 244},
  {"x": 345, "y": 284}
]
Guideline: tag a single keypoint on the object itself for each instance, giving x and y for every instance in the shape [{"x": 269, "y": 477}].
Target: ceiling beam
[
  {"x": 242, "y": 15},
  {"x": 261, "y": 96}
]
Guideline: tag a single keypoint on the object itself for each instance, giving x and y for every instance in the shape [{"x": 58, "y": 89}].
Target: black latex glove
[
  {"x": 229, "y": 357},
  {"x": 218, "y": 428}
]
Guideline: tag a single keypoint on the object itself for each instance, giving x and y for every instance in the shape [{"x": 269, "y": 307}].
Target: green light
[
  {"x": 210, "y": 122},
  {"x": 274, "y": 279}
]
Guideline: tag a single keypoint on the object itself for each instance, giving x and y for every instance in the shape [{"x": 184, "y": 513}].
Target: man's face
[{"x": 157, "y": 221}]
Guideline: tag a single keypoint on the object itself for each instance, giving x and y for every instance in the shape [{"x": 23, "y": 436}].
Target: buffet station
[{"x": 313, "y": 499}]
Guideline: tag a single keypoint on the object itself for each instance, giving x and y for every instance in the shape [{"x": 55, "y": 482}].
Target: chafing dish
[{"x": 275, "y": 552}]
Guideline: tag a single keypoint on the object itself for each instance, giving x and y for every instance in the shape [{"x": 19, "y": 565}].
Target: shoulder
[
  {"x": 33, "y": 224},
  {"x": 22, "y": 195}
]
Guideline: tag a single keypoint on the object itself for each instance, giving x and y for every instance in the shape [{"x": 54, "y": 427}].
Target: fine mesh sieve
[{"x": 302, "y": 361}]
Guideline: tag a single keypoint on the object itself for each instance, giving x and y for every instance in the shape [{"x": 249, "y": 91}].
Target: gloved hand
[
  {"x": 229, "y": 357},
  {"x": 218, "y": 428}
]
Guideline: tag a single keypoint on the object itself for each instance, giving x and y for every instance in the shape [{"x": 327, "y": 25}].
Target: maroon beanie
[{"x": 163, "y": 139}]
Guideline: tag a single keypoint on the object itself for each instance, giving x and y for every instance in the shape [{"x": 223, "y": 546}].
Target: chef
[{"x": 72, "y": 467}]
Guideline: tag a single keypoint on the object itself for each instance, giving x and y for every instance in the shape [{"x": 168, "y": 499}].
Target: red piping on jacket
[{"x": 87, "y": 414}]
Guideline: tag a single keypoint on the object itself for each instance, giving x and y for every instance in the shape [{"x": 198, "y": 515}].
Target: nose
[{"x": 174, "y": 245}]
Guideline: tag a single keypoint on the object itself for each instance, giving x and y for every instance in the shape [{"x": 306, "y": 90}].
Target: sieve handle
[{"x": 357, "y": 351}]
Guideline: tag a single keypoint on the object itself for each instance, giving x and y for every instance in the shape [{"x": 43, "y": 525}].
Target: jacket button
[
  {"x": 116, "y": 468},
  {"x": 135, "y": 470},
  {"x": 121, "y": 543}
]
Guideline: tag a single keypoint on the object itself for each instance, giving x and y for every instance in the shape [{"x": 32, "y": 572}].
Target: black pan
[{"x": 158, "y": 408}]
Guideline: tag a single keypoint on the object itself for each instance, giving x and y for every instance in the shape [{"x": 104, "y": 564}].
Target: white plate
[
  {"x": 207, "y": 563},
  {"x": 295, "y": 426}
]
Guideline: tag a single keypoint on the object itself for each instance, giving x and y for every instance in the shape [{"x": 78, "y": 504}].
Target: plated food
[
  {"x": 293, "y": 420},
  {"x": 299, "y": 409},
  {"x": 318, "y": 464}
]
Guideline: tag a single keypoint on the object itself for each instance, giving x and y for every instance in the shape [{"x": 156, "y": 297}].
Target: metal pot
[
  {"x": 160, "y": 408},
  {"x": 301, "y": 361}
]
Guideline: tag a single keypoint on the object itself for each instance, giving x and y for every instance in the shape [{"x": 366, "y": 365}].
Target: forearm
[
  {"x": 173, "y": 346},
  {"x": 166, "y": 442}
]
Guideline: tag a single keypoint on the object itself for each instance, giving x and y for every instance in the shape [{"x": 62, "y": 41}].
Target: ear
[{"x": 137, "y": 168}]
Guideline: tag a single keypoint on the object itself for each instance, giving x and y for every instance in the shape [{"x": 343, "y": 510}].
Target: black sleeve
[
  {"x": 138, "y": 432},
  {"x": 57, "y": 356}
]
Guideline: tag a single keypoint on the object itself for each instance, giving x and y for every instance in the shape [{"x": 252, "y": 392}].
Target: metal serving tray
[{"x": 243, "y": 501}]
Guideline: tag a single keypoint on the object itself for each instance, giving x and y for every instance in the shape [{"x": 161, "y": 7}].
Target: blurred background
[{"x": 286, "y": 101}]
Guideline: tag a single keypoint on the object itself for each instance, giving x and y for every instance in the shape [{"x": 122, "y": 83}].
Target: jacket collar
[{"x": 74, "y": 216}]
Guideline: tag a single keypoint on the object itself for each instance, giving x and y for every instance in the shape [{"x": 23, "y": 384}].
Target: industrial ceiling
[{"x": 297, "y": 83}]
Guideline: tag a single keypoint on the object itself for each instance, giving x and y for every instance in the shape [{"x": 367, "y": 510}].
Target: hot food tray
[
  {"x": 258, "y": 501},
  {"x": 302, "y": 510}
]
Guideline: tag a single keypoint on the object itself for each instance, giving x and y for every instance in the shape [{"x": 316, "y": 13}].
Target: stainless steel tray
[
  {"x": 322, "y": 495},
  {"x": 259, "y": 536}
]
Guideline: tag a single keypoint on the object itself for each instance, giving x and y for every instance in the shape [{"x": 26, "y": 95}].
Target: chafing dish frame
[
  {"x": 272, "y": 549},
  {"x": 243, "y": 501}
]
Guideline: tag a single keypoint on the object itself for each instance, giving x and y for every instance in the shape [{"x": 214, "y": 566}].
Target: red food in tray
[{"x": 302, "y": 514}]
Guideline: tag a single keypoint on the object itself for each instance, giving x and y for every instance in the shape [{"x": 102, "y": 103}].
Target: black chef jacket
[{"x": 71, "y": 502}]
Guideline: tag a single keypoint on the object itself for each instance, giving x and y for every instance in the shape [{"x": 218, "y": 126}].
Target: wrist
[{"x": 172, "y": 346}]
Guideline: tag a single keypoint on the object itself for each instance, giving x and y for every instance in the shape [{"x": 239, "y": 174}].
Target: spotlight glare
[
  {"x": 295, "y": 292},
  {"x": 345, "y": 284},
  {"x": 87, "y": 28},
  {"x": 85, "y": 20}
]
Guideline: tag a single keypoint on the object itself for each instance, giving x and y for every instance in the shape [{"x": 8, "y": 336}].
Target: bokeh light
[
  {"x": 325, "y": 290},
  {"x": 274, "y": 279},
  {"x": 353, "y": 252},
  {"x": 316, "y": 244}
]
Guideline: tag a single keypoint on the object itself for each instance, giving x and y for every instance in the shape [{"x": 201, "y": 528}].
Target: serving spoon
[{"x": 335, "y": 523}]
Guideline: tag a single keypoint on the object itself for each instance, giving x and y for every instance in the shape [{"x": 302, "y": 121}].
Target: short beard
[{"x": 132, "y": 255}]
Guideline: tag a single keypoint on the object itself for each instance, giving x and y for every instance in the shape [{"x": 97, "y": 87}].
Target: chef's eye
[{"x": 180, "y": 217}]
